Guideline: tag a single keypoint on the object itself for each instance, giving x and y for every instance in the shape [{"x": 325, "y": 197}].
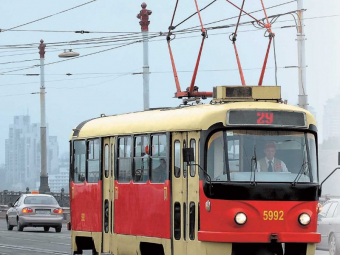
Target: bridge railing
[{"x": 7, "y": 197}]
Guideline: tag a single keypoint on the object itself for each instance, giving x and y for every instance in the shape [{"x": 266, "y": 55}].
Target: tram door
[
  {"x": 108, "y": 152},
  {"x": 185, "y": 182}
]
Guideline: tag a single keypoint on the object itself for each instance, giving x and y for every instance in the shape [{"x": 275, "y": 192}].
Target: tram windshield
[{"x": 262, "y": 156}]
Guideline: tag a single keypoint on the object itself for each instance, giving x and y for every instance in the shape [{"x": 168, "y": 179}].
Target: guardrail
[
  {"x": 7, "y": 197},
  {"x": 4, "y": 208}
]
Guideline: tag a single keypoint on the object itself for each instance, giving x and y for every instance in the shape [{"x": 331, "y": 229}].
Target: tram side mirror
[
  {"x": 320, "y": 186},
  {"x": 188, "y": 155}
]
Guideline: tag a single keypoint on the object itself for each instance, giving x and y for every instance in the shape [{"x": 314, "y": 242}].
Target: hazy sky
[{"x": 98, "y": 84}]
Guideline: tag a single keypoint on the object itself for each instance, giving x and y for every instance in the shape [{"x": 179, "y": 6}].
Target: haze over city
[{"x": 110, "y": 82}]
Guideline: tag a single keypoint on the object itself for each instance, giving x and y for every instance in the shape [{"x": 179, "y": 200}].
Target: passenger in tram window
[
  {"x": 269, "y": 163},
  {"x": 158, "y": 174},
  {"x": 81, "y": 177}
]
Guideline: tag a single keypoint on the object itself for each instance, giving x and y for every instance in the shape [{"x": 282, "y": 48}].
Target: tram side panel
[
  {"x": 142, "y": 209},
  {"x": 86, "y": 201}
]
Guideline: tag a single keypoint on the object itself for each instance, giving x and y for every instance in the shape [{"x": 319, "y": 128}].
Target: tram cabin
[{"x": 249, "y": 185}]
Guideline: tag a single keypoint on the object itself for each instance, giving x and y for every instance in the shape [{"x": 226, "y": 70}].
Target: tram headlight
[
  {"x": 240, "y": 218},
  {"x": 304, "y": 219}
]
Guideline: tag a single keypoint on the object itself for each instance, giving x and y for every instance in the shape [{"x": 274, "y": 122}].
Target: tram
[{"x": 197, "y": 179}]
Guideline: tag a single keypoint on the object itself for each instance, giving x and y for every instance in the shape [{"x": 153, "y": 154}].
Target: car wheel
[
  {"x": 334, "y": 247},
  {"x": 58, "y": 230},
  {"x": 9, "y": 226},
  {"x": 46, "y": 229},
  {"x": 19, "y": 226}
]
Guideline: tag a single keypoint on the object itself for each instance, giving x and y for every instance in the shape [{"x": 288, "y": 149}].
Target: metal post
[
  {"x": 44, "y": 188},
  {"x": 144, "y": 17},
  {"x": 303, "y": 97}
]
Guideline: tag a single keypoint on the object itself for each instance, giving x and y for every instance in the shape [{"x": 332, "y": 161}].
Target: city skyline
[{"x": 22, "y": 159}]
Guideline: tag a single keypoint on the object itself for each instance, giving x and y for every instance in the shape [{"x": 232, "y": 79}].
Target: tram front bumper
[{"x": 258, "y": 237}]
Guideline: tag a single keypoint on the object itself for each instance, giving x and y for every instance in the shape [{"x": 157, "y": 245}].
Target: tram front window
[{"x": 262, "y": 156}]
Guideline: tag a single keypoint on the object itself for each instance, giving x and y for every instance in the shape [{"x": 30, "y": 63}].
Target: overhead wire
[
  {"x": 60, "y": 80},
  {"x": 90, "y": 54},
  {"x": 104, "y": 75},
  {"x": 234, "y": 17},
  {"x": 12, "y": 62},
  {"x": 91, "y": 85},
  {"x": 4, "y": 30}
]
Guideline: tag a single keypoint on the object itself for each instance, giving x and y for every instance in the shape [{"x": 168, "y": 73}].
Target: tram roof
[{"x": 190, "y": 118}]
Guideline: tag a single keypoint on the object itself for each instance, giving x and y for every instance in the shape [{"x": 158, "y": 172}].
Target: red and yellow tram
[{"x": 134, "y": 190}]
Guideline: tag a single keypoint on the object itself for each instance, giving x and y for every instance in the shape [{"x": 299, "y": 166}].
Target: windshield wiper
[
  {"x": 205, "y": 174},
  {"x": 254, "y": 158},
  {"x": 297, "y": 178}
]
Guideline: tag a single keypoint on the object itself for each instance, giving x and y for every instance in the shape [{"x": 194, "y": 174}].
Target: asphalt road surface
[{"x": 34, "y": 241}]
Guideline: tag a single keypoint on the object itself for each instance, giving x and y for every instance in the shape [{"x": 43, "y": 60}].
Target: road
[{"x": 34, "y": 241}]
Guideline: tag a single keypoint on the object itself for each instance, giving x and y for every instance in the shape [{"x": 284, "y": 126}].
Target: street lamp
[
  {"x": 68, "y": 54},
  {"x": 44, "y": 188}
]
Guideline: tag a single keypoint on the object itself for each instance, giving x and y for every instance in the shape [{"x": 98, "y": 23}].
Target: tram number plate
[{"x": 273, "y": 215}]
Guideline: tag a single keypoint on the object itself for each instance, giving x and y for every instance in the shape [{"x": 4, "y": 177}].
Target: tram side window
[
  {"x": 112, "y": 156},
  {"x": 141, "y": 159},
  {"x": 185, "y": 167},
  {"x": 124, "y": 159},
  {"x": 177, "y": 159},
  {"x": 216, "y": 158},
  {"x": 158, "y": 158},
  {"x": 106, "y": 160},
  {"x": 79, "y": 168},
  {"x": 193, "y": 168},
  {"x": 93, "y": 162}
]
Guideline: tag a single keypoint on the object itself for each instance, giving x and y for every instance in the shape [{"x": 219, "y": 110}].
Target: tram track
[
  {"x": 26, "y": 248},
  {"x": 34, "y": 240}
]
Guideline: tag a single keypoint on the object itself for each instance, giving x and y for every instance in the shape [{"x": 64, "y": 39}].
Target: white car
[{"x": 35, "y": 210}]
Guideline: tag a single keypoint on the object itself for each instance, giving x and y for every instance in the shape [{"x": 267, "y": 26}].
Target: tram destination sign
[{"x": 266, "y": 118}]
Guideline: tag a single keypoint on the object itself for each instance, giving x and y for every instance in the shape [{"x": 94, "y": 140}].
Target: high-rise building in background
[
  {"x": 59, "y": 181},
  {"x": 331, "y": 118},
  {"x": 22, "y": 159}
]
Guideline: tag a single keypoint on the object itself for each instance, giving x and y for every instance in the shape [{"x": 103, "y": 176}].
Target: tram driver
[{"x": 270, "y": 163}]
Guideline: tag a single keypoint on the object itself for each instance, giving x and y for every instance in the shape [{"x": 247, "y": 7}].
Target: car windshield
[
  {"x": 262, "y": 156},
  {"x": 40, "y": 200}
]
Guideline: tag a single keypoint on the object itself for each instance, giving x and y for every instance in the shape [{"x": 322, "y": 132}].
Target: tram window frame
[
  {"x": 185, "y": 165},
  {"x": 185, "y": 221},
  {"x": 71, "y": 174},
  {"x": 177, "y": 159},
  {"x": 157, "y": 156},
  {"x": 177, "y": 221},
  {"x": 106, "y": 160},
  {"x": 142, "y": 155},
  {"x": 192, "y": 218},
  {"x": 81, "y": 175},
  {"x": 126, "y": 157},
  {"x": 112, "y": 158},
  {"x": 193, "y": 168},
  {"x": 95, "y": 154}
]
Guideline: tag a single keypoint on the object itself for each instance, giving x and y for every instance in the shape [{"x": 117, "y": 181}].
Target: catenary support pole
[
  {"x": 44, "y": 188},
  {"x": 303, "y": 97},
  {"x": 144, "y": 22}
]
